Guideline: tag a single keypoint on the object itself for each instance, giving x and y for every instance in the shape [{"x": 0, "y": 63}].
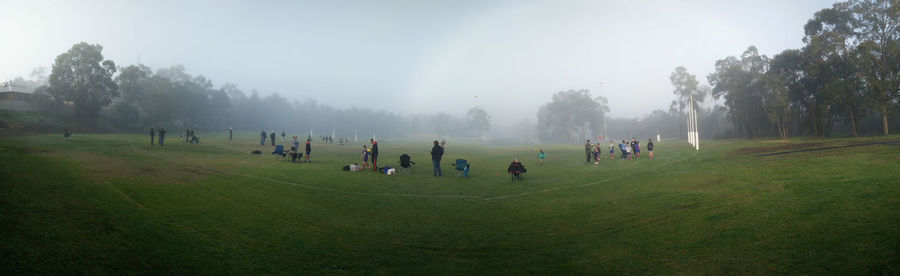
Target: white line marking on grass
[{"x": 412, "y": 195}]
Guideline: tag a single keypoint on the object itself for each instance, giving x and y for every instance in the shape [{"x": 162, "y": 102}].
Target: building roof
[{"x": 12, "y": 86}]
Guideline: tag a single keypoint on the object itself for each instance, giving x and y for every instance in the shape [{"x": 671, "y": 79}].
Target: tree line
[
  {"x": 847, "y": 72},
  {"x": 848, "y": 69},
  {"x": 135, "y": 96}
]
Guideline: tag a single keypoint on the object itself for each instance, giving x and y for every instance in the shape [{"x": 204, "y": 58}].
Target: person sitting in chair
[
  {"x": 516, "y": 169},
  {"x": 406, "y": 163}
]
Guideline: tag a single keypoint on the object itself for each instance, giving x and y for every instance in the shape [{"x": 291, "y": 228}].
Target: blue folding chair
[
  {"x": 279, "y": 150},
  {"x": 462, "y": 168}
]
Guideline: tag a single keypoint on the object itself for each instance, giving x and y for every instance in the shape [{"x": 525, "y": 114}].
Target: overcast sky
[{"x": 508, "y": 57}]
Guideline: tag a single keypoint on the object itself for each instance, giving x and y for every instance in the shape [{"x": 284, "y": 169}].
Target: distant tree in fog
[
  {"x": 686, "y": 86},
  {"x": 571, "y": 114},
  {"x": 82, "y": 77},
  {"x": 478, "y": 121}
]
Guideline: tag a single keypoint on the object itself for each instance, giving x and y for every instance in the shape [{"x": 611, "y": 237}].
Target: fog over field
[{"x": 507, "y": 57}]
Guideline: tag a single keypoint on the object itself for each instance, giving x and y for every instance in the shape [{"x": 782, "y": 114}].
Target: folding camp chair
[
  {"x": 406, "y": 164},
  {"x": 516, "y": 171},
  {"x": 279, "y": 150},
  {"x": 295, "y": 155},
  {"x": 462, "y": 168}
]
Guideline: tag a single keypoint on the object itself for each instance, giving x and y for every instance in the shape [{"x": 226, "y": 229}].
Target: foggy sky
[{"x": 415, "y": 56}]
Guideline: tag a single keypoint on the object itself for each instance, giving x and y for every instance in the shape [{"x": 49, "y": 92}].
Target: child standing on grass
[
  {"x": 650, "y": 147},
  {"x": 612, "y": 150},
  {"x": 637, "y": 150},
  {"x": 365, "y": 157},
  {"x": 541, "y": 156},
  {"x": 628, "y": 151},
  {"x": 308, "y": 149}
]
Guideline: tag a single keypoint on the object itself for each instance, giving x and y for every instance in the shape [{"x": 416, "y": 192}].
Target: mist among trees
[{"x": 845, "y": 80}]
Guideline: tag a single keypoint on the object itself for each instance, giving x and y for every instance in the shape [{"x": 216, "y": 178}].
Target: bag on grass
[
  {"x": 347, "y": 168},
  {"x": 255, "y": 152}
]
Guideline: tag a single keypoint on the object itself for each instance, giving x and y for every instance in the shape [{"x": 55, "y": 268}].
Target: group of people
[
  {"x": 188, "y": 136},
  {"x": 262, "y": 135},
  {"x": 330, "y": 140},
  {"x": 629, "y": 150},
  {"x": 162, "y": 135},
  {"x": 295, "y": 149},
  {"x": 370, "y": 153},
  {"x": 593, "y": 152}
]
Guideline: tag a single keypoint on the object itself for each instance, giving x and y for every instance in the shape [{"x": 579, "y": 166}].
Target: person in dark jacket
[
  {"x": 374, "y": 154},
  {"x": 152, "y": 135},
  {"x": 230, "y": 133},
  {"x": 650, "y": 147},
  {"x": 436, "y": 152},
  {"x": 273, "y": 137},
  {"x": 162, "y": 135},
  {"x": 516, "y": 169},
  {"x": 587, "y": 150},
  {"x": 262, "y": 135}
]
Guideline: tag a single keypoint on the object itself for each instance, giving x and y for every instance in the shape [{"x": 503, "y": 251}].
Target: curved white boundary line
[{"x": 412, "y": 195}]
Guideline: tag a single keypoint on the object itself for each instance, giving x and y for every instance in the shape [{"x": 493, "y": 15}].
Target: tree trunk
[
  {"x": 852, "y": 122},
  {"x": 884, "y": 119},
  {"x": 815, "y": 121}
]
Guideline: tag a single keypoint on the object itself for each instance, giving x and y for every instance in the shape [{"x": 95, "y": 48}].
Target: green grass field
[{"x": 113, "y": 204}]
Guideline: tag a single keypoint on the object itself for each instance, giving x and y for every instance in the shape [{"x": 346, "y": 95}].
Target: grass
[{"x": 113, "y": 204}]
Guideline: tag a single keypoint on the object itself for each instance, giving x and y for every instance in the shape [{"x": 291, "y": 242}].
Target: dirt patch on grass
[
  {"x": 781, "y": 147},
  {"x": 100, "y": 167}
]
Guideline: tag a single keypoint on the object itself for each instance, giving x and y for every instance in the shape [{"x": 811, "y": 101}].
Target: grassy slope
[{"x": 112, "y": 203}]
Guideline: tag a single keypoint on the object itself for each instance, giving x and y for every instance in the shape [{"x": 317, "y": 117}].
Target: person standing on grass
[
  {"x": 637, "y": 150},
  {"x": 436, "y": 153},
  {"x": 162, "y": 135},
  {"x": 541, "y": 156},
  {"x": 365, "y": 158},
  {"x": 230, "y": 133},
  {"x": 622, "y": 148},
  {"x": 273, "y": 137},
  {"x": 282, "y": 136},
  {"x": 308, "y": 150},
  {"x": 650, "y": 147},
  {"x": 612, "y": 150},
  {"x": 262, "y": 135},
  {"x": 628, "y": 152},
  {"x": 152, "y": 135},
  {"x": 634, "y": 149},
  {"x": 374, "y": 154},
  {"x": 587, "y": 150}
]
